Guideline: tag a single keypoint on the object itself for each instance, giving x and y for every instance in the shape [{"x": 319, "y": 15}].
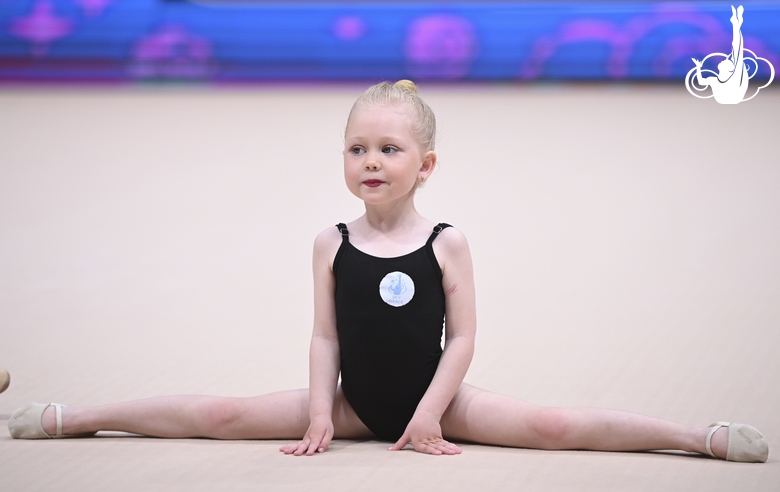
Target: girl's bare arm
[
  {"x": 324, "y": 359},
  {"x": 424, "y": 432}
]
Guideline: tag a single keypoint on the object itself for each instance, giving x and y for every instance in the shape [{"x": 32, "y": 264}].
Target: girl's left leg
[
  {"x": 280, "y": 415},
  {"x": 479, "y": 416}
]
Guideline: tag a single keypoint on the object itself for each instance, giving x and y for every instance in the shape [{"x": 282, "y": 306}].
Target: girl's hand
[
  {"x": 317, "y": 439},
  {"x": 424, "y": 432}
]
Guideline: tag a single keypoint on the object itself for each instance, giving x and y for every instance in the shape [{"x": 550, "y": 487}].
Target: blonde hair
[{"x": 403, "y": 91}]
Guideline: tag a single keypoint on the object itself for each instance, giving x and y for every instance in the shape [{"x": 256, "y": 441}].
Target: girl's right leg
[
  {"x": 483, "y": 417},
  {"x": 282, "y": 415}
]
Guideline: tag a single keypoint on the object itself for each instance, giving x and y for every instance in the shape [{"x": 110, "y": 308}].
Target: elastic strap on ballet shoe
[
  {"x": 58, "y": 418},
  {"x": 715, "y": 427}
]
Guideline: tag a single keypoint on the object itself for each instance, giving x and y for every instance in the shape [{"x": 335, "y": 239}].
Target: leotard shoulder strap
[
  {"x": 344, "y": 241},
  {"x": 429, "y": 246},
  {"x": 436, "y": 230},
  {"x": 342, "y": 227}
]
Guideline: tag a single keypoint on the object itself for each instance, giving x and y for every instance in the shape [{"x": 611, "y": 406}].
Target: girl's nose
[{"x": 372, "y": 165}]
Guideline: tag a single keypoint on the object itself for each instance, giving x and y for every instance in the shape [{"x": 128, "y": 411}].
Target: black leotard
[{"x": 389, "y": 316}]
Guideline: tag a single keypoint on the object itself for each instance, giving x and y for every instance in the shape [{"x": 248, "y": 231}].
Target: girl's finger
[
  {"x": 325, "y": 443},
  {"x": 445, "y": 447},
  {"x": 449, "y": 448},
  {"x": 301, "y": 447},
  {"x": 314, "y": 445},
  {"x": 427, "y": 449},
  {"x": 290, "y": 448},
  {"x": 399, "y": 445}
]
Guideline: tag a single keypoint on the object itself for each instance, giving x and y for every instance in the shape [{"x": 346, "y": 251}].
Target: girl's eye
[
  {"x": 388, "y": 149},
  {"x": 356, "y": 150}
]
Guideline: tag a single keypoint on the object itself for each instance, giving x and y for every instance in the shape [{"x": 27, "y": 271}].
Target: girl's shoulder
[
  {"x": 328, "y": 235},
  {"x": 451, "y": 241},
  {"x": 452, "y": 252},
  {"x": 326, "y": 244}
]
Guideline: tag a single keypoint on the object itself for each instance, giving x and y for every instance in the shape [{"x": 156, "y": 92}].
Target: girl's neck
[
  {"x": 391, "y": 217},
  {"x": 389, "y": 231}
]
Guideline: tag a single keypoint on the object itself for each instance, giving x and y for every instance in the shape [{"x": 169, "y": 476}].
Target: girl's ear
[{"x": 428, "y": 164}]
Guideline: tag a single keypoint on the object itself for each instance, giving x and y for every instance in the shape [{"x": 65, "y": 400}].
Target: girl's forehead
[{"x": 383, "y": 119}]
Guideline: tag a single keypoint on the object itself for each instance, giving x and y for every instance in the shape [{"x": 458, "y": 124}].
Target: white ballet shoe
[
  {"x": 25, "y": 423},
  {"x": 745, "y": 443}
]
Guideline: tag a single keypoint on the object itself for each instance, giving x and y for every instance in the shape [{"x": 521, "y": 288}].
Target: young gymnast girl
[{"x": 386, "y": 285}]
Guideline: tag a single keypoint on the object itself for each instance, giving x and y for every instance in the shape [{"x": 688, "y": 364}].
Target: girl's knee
[
  {"x": 553, "y": 428},
  {"x": 220, "y": 415}
]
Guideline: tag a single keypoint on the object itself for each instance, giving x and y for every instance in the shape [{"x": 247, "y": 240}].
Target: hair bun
[{"x": 406, "y": 85}]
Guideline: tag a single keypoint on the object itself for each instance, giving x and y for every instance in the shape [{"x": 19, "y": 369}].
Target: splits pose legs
[{"x": 284, "y": 415}]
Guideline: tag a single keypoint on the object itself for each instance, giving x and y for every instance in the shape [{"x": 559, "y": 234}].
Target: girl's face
[{"x": 382, "y": 160}]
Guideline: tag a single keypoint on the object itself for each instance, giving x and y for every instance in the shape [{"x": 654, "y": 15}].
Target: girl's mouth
[{"x": 372, "y": 183}]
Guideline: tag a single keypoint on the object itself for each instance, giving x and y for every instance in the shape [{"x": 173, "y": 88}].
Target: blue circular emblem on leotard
[{"x": 396, "y": 289}]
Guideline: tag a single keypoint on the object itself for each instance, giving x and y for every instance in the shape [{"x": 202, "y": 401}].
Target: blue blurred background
[{"x": 245, "y": 41}]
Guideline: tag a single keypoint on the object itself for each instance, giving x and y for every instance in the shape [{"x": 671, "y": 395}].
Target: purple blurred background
[{"x": 123, "y": 40}]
